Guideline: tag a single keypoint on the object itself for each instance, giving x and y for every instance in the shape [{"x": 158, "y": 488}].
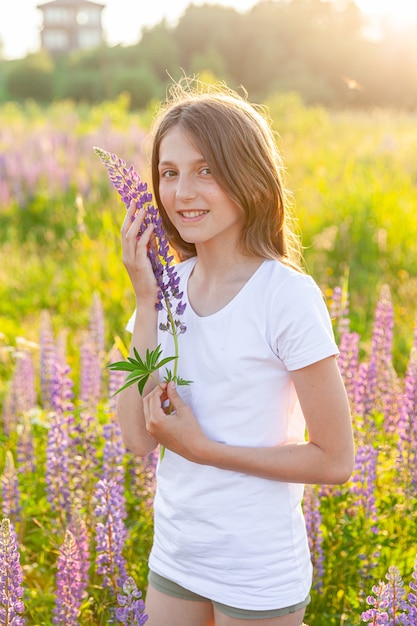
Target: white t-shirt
[{"x": 234, "y": 538}]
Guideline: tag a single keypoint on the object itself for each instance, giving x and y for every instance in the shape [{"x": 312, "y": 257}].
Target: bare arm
[
  {"x": 327, "y": 456},
  {"x": 135, "y": 258}
]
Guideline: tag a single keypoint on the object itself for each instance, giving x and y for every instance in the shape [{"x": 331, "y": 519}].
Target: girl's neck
[
  {"x": 217, "y": 279},
  {"x": 223, "y": 264}
]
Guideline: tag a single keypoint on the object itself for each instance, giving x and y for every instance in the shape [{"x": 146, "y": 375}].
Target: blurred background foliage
[{"x": 325, "y": 51}]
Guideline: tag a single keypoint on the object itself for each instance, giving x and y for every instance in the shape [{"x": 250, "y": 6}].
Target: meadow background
[{"x": 64, "y": 302}]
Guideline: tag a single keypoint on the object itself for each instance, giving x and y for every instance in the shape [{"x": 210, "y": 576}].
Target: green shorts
[{"x": 172, "y": 589}]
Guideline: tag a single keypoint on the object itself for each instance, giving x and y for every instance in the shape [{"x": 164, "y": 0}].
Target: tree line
[{"x": 322, "y": 49}]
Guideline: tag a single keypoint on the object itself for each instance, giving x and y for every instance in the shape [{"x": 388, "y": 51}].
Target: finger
[
  {"x": 133, "y": 217},
  {"x": 155, "y": 398},
  {"x": 174, "y": 397}
]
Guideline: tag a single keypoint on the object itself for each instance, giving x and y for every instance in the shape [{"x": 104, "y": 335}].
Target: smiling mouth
[{"x": 192, "y": 214}]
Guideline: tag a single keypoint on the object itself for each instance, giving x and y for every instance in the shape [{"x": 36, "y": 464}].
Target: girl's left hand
[{"x": 178, "y": 430}]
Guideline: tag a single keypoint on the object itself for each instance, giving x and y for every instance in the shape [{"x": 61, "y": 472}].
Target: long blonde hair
[{"x": 237, "y": 142}]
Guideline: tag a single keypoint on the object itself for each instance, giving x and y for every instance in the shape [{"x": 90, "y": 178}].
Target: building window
[
  {"x": 89, "y": 38},
  {"x": 56, "y": 40},
  {"x": 88, "y": 16},
  {"x": 57, "y": 16}
]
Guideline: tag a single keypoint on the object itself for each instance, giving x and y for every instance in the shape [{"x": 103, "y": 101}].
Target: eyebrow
[{"x": 165, "y": 163}]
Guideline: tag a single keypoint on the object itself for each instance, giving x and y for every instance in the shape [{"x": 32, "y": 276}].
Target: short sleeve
[
  {"x": 131, "y": 323},
  {"x": 302, "y": 332}
]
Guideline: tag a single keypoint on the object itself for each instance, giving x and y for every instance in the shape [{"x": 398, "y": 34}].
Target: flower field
[{"x": 76, "y": 506}]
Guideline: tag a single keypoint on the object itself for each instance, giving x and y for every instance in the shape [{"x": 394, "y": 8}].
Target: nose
[{"x": 185, "y": 189}]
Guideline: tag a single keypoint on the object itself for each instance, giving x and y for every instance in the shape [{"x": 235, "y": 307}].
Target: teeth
[{"x": 191, "y": 214}]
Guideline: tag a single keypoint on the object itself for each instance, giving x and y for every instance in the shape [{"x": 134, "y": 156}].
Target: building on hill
[{"x": 71, "y": 25}]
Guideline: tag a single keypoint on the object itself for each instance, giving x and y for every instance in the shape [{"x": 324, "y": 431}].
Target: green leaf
[
  {"x": 182, "y": 381},
  {"x": 121, "y": 366},
  {"x": 165, "y": 361},
  {"x": 142, "y": 383}
]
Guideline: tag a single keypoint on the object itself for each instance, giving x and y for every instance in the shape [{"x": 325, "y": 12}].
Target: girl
[{"x": 230, "y": 543}]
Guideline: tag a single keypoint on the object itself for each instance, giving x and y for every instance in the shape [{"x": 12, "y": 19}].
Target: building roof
[{"x": 77, "y": 3}]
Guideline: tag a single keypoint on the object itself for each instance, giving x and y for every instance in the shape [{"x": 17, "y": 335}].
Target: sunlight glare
[{"x": 399, "y": 8}]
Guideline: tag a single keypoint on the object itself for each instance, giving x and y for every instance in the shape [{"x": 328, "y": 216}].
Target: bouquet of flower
[{"x": 130, "y": 187}]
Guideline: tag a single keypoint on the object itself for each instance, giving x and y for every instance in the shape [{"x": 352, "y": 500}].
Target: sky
[{"x": 123, "y": 20}]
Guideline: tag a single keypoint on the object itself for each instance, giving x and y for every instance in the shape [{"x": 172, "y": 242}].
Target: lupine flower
[
  {"x": 110, "y": 534},
  {"x": 96, "y": 324},
  {"x": 364, "y": 482},
  {"x": 349, "y": 363},
  {"x": 407, "y": 423},
  {"x": 81, "y": 460},
  {"x": 69, "y": 585},
  {"x": 59, "y": 443},
  {"x": 61, "y": 388},
  {"x": 339, "y": 309},
  {"x": 57, "y": 463},
  {"x": 412, "y": 596},
  {"x": 47, "y": 358},
  {"x": 10, "y": 491},
  {"x": 11, "y": 578},
  {"x": 130, "y": 611},
  {"x": 21, "y": 395},
  {"x": 90, "y": 373},
  {"x": 113, "y": 454},
  {"x": 311, "y": 508},
  {"x": 380, "y": 370},
  {"x": 116, "y": 379},
  {"x": 131, "y": 189},
  {"x": 388, "y": 602},
  {"x": 25, "y": 447},
  {"x": 44, "y": 158},
  {"x": 78, "y": 528},
  {"x": 143, "y": 474}
]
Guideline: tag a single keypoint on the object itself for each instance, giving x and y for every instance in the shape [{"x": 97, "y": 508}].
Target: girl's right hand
[{"x": 135, "y": 255}]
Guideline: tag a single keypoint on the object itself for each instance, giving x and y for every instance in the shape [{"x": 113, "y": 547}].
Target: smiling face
[{"x": 199, "y": 209}]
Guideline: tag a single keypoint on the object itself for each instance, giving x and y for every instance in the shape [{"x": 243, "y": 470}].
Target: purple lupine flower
[
  {"x": 407, "y": 423},
  {"x": 25, "y": 448},
  {"x": 349, "y": 363},
  {"x": 412, "y": 596},
  {"x": 10, "y": 491},
  {"x": 116, "y": 380},
  {"x": 143, "y": 477},
  {"x": 96, "y": 324},
  {"x": 339, "y": 309},
  {"x": 110, "y": 534},
  {"x": 131, "y": 189},
  {"x": 130, "y": 611},
  {"x": 37, "y": 159},
  {"x": 90, "y": 373},
  {"x": 363, "y": 482},
  {"x": 380, "y": 369},
  {"x": 388, "y": 602},
  {"x": 69, "y": 585},
  {"x": 113, "y": 453},
  {"x": 11, "y": 577},
  {"x": 79, "y": 531},
  {"x": 59, "y": 445},
  {"x": 47, "y": 358},
  {"x": 21, "y": 396},
  {"x": 61, "y": 394},
  {"x": 311, "y": 508},
  {"x": 82, "y": 461},
  {"x": 57, "y": 464},
  {"x": 360, "y": 393}
]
